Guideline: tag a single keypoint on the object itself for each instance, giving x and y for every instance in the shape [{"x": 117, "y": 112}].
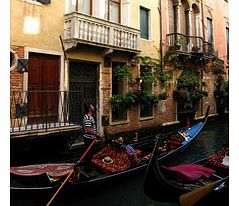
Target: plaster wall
[{"x": 46, "y": 24}]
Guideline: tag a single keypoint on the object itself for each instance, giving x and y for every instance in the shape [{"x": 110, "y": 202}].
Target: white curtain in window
[
  {"x": 106, "y": 10},
  {"x": 114, "y": 12},
  {"x": 84, "y": 6},
  {"x": 71, "y": 4}
]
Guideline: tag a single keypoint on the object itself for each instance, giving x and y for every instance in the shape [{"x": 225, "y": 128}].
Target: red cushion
[
  {"x": 138, "y": 152},
  {"x": 120, "y": 158}
]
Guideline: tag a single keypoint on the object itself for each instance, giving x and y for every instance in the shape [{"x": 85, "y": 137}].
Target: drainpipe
[
  {"x": 203, "y": 34},
  {"x": 160, "y": 41},
  {"x": 203, "y": 25}
]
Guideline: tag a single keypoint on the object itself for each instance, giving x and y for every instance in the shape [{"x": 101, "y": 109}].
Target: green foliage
[
  {"x": 188, "y": 79},
  {"x": 123, "y": 72},
  {"x": 163, "y": 96},
  {"x": 172, "y": 56},
  {"x": 129, "y": 99},
  {"x": 148, "y": 76},
  {"x": 180, "y": 40},
  {"x": 146, "y": 96},
  {"x": 199, "y": 94},
  {"x": 117, "y": 99},
  {"x": 224, "y": 88},
  {"x": 153, "y": 73},
  {"x": 187, "y": 87}
]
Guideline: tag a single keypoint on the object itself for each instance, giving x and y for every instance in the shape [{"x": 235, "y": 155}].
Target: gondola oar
[
  {"x": 190, "y": 198},
  {"x": 49, "y": 202}
]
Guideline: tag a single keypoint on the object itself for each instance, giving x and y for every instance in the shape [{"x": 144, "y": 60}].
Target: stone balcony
[{"x": 84, "y": 29}]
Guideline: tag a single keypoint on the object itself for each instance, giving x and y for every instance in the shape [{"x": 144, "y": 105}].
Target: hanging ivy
[
  {"x": 187, "y": 87},
  {"x": 188, "y": 79},
  {"x": 123, "y": 72},
  {"x": 146, "y": 97},
  {"x": 129, "y": 100}
]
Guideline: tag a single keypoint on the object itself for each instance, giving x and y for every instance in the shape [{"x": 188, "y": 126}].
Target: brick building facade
[{"x": 99, "y": 38}]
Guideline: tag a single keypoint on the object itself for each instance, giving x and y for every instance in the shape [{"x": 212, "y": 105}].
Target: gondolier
[{"x": 90, "y": 133}]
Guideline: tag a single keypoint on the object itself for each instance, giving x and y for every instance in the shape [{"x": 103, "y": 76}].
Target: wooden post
[{"x": 76, "y": 5}]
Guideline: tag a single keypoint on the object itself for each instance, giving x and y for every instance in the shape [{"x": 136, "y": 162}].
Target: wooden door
[{"x": 43, "y": 87}]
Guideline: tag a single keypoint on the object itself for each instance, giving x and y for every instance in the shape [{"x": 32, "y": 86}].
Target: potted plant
[
  {"x": 195, "y": 49},
  {"x": 128, "y": 100}
]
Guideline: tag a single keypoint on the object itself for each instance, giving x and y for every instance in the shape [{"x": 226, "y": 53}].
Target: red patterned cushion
[{"x": 120, "y": 158}]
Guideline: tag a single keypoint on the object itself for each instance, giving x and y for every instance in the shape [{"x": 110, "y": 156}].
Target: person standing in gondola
[{"x": 90, "y": 133}]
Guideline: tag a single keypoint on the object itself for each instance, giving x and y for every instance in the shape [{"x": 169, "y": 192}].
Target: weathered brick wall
[
  {"x": 16, "y": 84},
  {"x": 16, "y": 78}
]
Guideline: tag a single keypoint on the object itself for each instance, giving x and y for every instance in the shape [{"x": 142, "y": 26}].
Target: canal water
[{"x": 129, "y": 192}]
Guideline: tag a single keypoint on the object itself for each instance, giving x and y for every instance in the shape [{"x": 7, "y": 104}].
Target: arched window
[
  {"x": 184, "y": 19},
  {"x": 171, "y": 17},
  {"x": 195, "y": 21}
]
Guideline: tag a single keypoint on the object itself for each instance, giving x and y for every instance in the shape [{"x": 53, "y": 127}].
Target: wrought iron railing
[
  {"x": 189, "y": 44},
  {"x": 45, "y": 110}
]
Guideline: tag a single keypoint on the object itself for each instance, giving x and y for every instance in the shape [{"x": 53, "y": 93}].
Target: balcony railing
[
  {"x": 189, "y": 44},
  {"x": 81, "y": 28},
  {"x": 45, "y": 110}
]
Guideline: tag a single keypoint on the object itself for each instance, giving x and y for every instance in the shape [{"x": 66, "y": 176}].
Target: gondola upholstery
[{"x": 121, "y": 160}]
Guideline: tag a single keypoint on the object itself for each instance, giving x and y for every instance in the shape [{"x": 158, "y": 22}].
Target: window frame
[
  {"x": 150, "y": 89},
  {"x": 148, "y": 20},
  {"x": 108, "y": 7},
  {"x": 227, "y": 41},
  {"x": 120, "y": 109}
]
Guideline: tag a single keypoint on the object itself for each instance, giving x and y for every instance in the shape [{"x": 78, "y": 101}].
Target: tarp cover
[
  {"x": 187, "y": 172},
  {"x": 53, "y": 170}
]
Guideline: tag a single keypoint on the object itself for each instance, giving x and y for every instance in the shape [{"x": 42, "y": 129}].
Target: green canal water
[{"x": 129, "y": 192}]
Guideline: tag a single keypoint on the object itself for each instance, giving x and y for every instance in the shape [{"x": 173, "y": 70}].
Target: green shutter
[{"x": 144, "y": 23}]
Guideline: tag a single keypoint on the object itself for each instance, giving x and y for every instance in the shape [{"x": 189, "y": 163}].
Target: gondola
[
  {"x": 188, "y": 182},
  {"x": 48, "y": 177}
]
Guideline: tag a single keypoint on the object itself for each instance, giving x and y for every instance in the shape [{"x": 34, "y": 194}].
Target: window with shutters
[
  {"x": 209, "y": 33},
  {"x": 144, "y": 23}
]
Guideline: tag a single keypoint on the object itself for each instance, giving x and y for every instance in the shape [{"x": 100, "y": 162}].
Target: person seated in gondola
[
  {"x": 123, "y": 144},
  {"x": 163, "y": 148}
]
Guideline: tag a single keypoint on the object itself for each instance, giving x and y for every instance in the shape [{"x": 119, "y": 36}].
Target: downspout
[
  {"x": 160, "y": 41},
  {"x": 203, "y": 25},
  {"x": 203, "y": 34}
]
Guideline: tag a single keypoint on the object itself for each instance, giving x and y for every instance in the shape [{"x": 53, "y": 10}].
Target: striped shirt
[{"x": 88, "y": 121}]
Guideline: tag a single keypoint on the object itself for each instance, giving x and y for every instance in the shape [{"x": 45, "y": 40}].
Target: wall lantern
[{"x": 138, "y": 80}]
